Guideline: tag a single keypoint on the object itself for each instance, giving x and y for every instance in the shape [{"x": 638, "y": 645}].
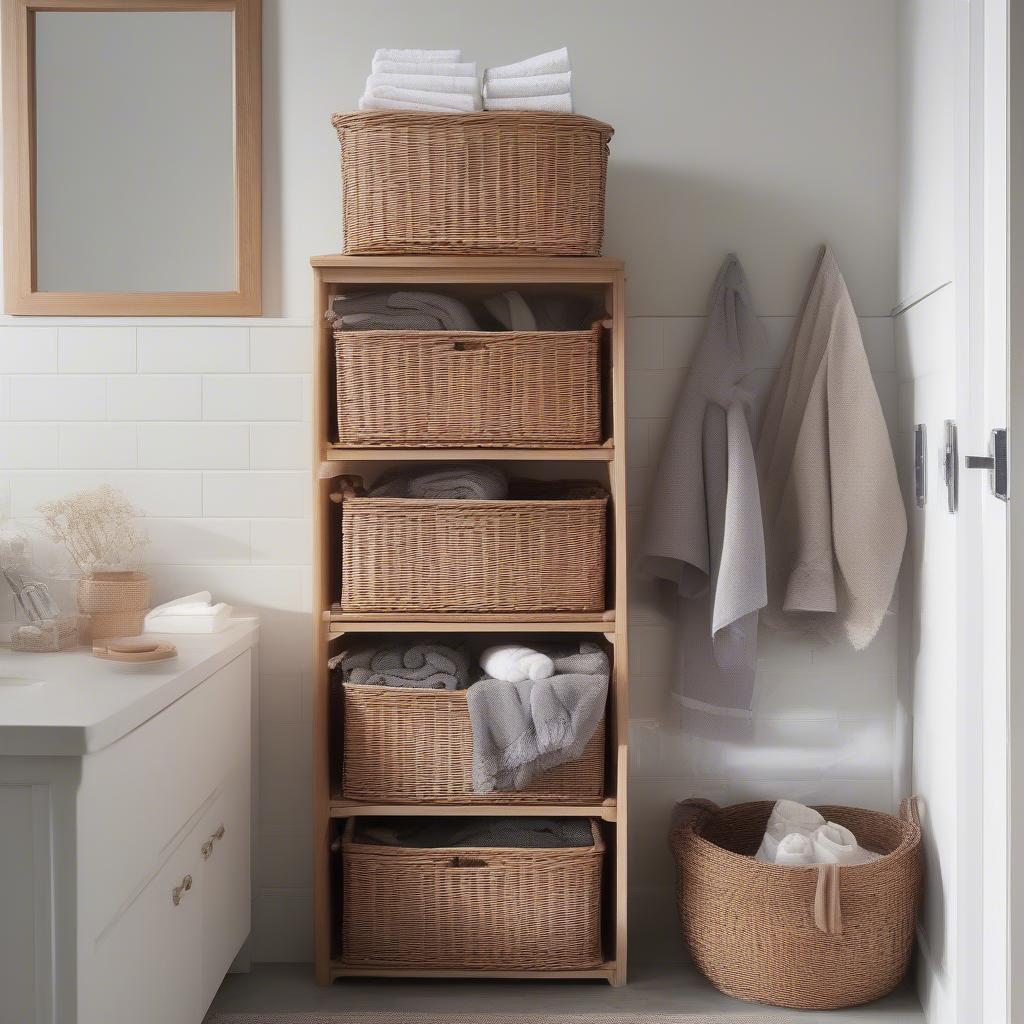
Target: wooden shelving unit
[{"x": 604, "y": 278}]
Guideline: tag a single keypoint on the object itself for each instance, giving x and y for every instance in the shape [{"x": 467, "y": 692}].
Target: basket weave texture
[
  {"x": 411, "y": 746},
  {"x": 413, "y": 389},
  {"x": 817, "y": 938},
  {"x": 115, "y": 603},
  {"x": 522, "y": 182},
  {"x": 486, "y": 909},
  {"x": 423, "y": 555}
]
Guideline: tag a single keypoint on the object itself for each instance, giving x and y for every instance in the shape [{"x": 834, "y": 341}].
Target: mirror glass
[{"x": 134, "y": 172}]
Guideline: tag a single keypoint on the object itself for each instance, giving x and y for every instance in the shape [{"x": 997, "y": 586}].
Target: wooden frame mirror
[{"x": 44, "y": 172}]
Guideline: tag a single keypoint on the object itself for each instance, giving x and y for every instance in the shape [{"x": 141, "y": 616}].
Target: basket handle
[
  {"x": 828, "y": 911},
  {"x": 689, "y": 811},
  {"x": 468, "y": 862},
  {"x": 910, "y": 810},
  {"x": 467, "y": 348}
]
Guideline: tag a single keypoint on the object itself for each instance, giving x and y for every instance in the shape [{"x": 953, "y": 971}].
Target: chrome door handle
[
  {"x": 179, "y": 890},
  {"x": 207, "y": 848},
  {"x": 995, "y": 462}
]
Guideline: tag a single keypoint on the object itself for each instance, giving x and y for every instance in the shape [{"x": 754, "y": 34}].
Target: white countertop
[{"x": 78, "y": 703}]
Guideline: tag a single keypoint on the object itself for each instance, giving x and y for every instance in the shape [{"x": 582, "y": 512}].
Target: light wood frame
[
  {"x": 332, "y": 273},
  {"x": 21, "y": 294}
]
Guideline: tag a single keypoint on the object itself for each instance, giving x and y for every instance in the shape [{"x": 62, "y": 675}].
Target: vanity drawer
[
  {"x": 139, "y": 795},
  {"x": 163, "y": 957}
]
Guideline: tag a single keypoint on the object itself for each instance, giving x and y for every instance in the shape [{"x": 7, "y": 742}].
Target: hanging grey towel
[
  {"x": 704, "y": 532},
  {"x": 470, "y": 481},
  {"x": 414, "y": 665},
  {"x": 834, "y": 518},
  {"x": 522, "y": 729}
]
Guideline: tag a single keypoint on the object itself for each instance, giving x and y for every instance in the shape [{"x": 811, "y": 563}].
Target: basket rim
[
  {"x": 395, "y": 692},
  {"x": 376, "y": 336},
  {"x": 421, "y": 118},
  {"x": 349, "y": 843},
  {"x": 471, "y": 505},
  {"x": 909, "y": 843}
]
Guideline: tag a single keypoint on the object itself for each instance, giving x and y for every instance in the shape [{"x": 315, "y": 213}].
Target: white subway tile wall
[{"x": 206, "y": 427}]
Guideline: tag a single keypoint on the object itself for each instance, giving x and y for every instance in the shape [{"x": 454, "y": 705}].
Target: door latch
[
  {"x": 996, "y": 464},
  {"x": 951, "y": 467}
]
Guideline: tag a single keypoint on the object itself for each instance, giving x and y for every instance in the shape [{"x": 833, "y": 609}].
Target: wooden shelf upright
[{"x": 605, "y": 280}]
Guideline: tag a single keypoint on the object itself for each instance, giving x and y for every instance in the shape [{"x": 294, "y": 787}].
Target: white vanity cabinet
[{"x": 124, "y": 863}]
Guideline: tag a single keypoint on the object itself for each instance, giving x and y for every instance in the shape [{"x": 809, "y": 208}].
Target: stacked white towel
[
  {"x": 543, "y": 82},
  {"x": 437, "y": 81},
  {"x": 195, "y": 613},
  {"x": 798, "y": 836}
]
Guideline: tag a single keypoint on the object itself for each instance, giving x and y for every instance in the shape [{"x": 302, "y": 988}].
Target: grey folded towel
[
  {"x": 469, "y": 481},
  {"x": 409, "y": 664},
  {"x": 522, "y": 729},
  {"x": 479, "y": 833},
  {"x": 415, "y": 311},
  {"x": 540, "y": 312}
]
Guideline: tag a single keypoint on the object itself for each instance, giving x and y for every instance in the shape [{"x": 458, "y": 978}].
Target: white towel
[
  {"x": 426, "y": 83},
  {"x": 375, "y": 103},
  {"x": 704, "y": 533},
  {"x": 397, "y": 67},
  {"x": 555, "y": 62},
  {"x": 797, "y": 816},
  {"x": 514, "y": 664},
  {"x": 835, "y": 844},
  {"x": 773, "y": 835},
  {"x": 560, "y": 104},
  {"x": 795, "y": 850},
  {"x": 531, "y": 85},
  {"x": 456, "y": 101},
  {"x": 420, "y": 56},
  {"x": 834, "y": 519},
  {"x": 191, "y": 614}
]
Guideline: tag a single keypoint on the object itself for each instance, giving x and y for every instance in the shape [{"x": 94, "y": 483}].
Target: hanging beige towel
[
  {"x": 834, "y": 519},
  {"x": 704, "y": 531}
]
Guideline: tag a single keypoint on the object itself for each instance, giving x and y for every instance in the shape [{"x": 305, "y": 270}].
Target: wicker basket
[
  {"x": 413, "y": 389},
  {"x": 471, "y": 909},
  {"x": 417, "y": 555},
  {"x": 115, "y": 603},
  {"x": 496, "y": 182},
  {"x": 411, "y": 746},
  {"x": 814, "y": 938}
]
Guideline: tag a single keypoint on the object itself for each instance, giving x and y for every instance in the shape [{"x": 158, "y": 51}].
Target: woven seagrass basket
[
  {"x": 495, "y": 182},
  {"x": 115, "y": 603},
  {"x": 412, "y": 746},
  {"x": 418, "y": 555},
  {"x": 812, "y": 938},
  {"x": 471, "y": 908},
  {"x": 422, "y": 389}
]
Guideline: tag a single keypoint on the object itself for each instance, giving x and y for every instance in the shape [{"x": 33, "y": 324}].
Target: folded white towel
[
  {"x": 773, "y": 835},
  {"x": 795, "y": 850},
  {"x": 799, "y": 817},
  {"x": 515, "y": 664},
  {"x": 560, "y": 104},
  {"x": 427, "y": 83},
  {"x": 376, "y": 103},
  {"x": 452, "y": 100},
  {"x": 398, "y": 67},
  {"x": 836, "y": 844},
  {"x": 191, "y": 614},
  {"x": 420, "y": 56},
  {"x": 555, "y": 62},
  {"x": 530, "y": 85}
]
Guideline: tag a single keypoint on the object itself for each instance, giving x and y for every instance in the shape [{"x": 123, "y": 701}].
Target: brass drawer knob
[
  {"x": 179, "y": 890},
  {"x": 207, "y": 848}
]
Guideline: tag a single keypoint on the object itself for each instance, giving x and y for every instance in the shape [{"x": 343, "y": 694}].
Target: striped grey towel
[
  {"x": 467, "y": 481},
  {"x": 412, "y": 664}
]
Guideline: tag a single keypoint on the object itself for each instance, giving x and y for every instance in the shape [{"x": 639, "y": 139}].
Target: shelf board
[
  {"x": 341, "y": 808},
  {"x": 339, "y": 453},
  {"x": 461, "y": 622},
  {"x": 339, "y": 969}
]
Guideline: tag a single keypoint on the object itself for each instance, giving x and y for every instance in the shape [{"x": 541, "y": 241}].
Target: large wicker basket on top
[
  {"x": 494, "y": 182},
  {"x": 419, "y": 555},
  {"x": 412, "y": 389},
  {"x": 471, "y": 908},
  {"x": 815, "y": 938},
  {"x": 411, "y": 746}
]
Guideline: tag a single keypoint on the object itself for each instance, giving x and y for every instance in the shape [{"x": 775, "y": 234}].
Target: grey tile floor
[{"x": 660, "y": 983}]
